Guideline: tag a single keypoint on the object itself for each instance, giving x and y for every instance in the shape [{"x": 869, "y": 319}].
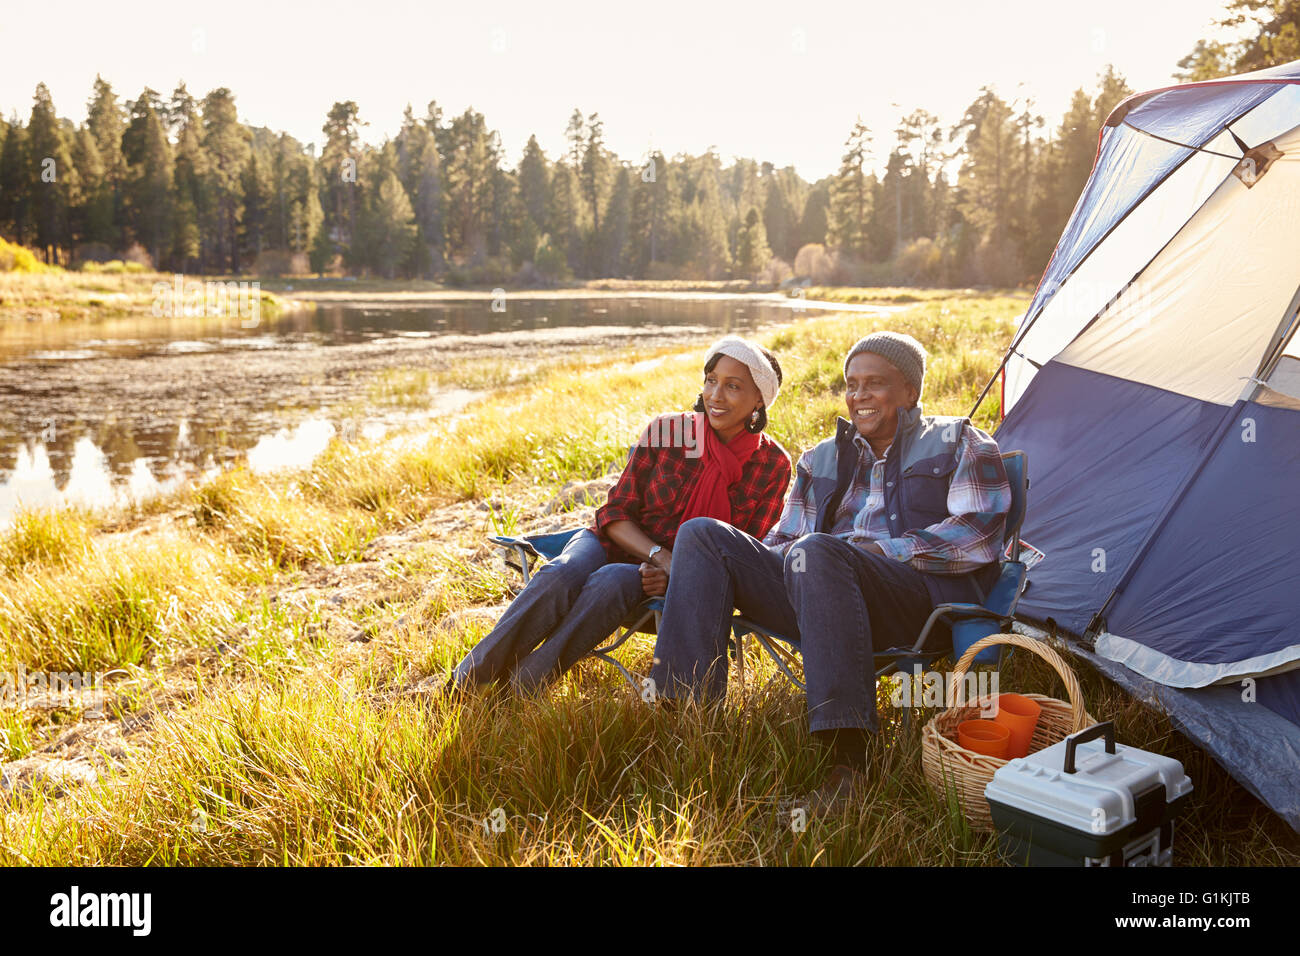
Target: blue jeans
[
  {"x": 570, "y": 605},
  {"x": 841, "y": 603}
]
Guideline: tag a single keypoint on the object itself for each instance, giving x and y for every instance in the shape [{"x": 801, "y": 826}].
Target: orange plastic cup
[
  {"x": 1020, "y": 716},
  {"x": 984, "y": 737}
]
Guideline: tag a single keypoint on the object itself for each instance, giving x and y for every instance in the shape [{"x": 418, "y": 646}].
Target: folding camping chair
[
  {"x": 968, "y": 622},
  {"x": 545, "y": 547}
]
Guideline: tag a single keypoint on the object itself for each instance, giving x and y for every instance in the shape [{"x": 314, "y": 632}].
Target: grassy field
[
  {"x": 99, "y": 297},
  {"x": 272, "y": 639}
]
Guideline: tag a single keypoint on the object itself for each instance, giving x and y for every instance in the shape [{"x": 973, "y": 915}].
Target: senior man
[{"x": 896, "y": 513}]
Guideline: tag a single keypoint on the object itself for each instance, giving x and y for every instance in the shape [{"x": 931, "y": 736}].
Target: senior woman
[{"x": 715, "y": 462}]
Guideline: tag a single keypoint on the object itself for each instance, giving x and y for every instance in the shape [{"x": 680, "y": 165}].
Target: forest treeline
[{"x": 182, "y": 185}]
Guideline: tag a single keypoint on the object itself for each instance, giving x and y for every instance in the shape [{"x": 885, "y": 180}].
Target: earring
[{"x": 753, "y": 418}]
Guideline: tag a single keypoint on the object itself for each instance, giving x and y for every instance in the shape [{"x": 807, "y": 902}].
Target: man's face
[{"x": 875, "y": 391}]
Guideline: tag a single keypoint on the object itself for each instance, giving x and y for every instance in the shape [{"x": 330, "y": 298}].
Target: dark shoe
[{"x": 842, "y": 786}]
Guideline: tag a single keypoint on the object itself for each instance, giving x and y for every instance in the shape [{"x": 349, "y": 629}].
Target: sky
[{"x": 777, "y": 82}]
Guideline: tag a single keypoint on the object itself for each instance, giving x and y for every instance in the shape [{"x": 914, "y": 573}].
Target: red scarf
[{"x": 723, "y": 462}]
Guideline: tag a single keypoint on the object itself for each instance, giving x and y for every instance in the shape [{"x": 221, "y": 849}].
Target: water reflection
[
  {"x": 291, "y": 449},
  {"x": 92, "y": 484}
]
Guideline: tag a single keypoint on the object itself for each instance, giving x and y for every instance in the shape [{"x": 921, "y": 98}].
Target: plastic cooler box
[{"x": 1088, "y": 802}]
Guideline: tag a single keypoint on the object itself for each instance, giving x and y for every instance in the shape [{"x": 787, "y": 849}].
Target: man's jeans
[
  {"x": 570, "y": 605},
  {"x": 838, "y": 601}
]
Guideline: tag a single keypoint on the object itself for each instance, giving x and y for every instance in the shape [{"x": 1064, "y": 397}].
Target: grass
[
  {"x": 44, "y": 537},
  {"x": 414, "y": 387},
  {"x": 891, "y": 295},
  {"x": 324, "y": 771},
  {"x": 118, "y": 606},
  {"x": 400, "y": 387},
  {"x": 294, "y": 742},
  {"x": 284, "y": 525},
  {"x": 104, "y": 297}
]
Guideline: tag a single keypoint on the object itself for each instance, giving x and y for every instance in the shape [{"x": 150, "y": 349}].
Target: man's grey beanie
[{"x": 898, "y": 349}]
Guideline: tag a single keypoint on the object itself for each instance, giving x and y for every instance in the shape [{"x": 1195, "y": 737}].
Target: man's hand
[
  {"x": 874, "y": 548},
  {"x": 654, "y": 580}
]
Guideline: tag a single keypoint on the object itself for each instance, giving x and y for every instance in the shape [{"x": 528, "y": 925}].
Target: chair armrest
[
  {"x": 971, "y": 611},
  {"x": 521, "y": 543}
]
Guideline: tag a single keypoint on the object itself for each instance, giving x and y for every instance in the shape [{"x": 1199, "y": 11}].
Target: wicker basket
[{"x": 947, "y": 764}]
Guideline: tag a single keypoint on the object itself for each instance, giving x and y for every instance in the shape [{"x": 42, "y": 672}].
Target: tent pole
[
  {"x": 1016, "y": 340},
  {"x": 979, "y": 401}
]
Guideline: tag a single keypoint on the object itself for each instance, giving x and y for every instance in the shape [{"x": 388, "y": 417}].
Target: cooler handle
[{"x": 1106, "y": 729}]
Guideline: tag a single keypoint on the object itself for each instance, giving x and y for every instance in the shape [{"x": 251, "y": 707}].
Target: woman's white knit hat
[{"x": 743, "y": 350}]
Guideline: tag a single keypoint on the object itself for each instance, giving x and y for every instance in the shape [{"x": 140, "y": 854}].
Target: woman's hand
[{"x": 654, "y": 579}]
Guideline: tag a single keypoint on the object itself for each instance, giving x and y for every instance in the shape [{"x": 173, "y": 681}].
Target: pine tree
[
  {"x": 107, "y": 121},
  {"x": 885, "y": 232},
  {"x": 613, "y": 239},
  {"x": 420, "y": 170},
  {"x": 594, "y": 171},
  {"x": 564, "y": 217},
  {"x": 752, "y": 252},
  {"x": 781, "y": 208},
  {"x": 1273, "y": 35},
  {"x": 535, "y": 183},
  {"x": 987, "y": 185},
  {"x": 814, "y": 221},
  {"x": 469, "y": 174},
  {"x": 648, "y": 217},
  {"x": 707, "y": 247},
  {"x": 48, "y": 174},
  {"x": 340, "y": 164},
  {"x": 258, "y": 204},
  {"x": 306, "y": 216},
  {"x": 94, "y": 220},
  {"x": 850, "y": 197},
  {"x": 226, "y": 143},
  {"x": 1112, "y": 89},
  {"x": 571, "y": 223},
  {"x": 430, "y": 209},
  {"x": 392, "y": 226},
  {"x": 280, "y": 201},
  {"x": 149, "y": 179},
  {"x": 191, "y": 243},
  {"x": 15, "y": 190},
  {"x": 1209, "y": 60},
  {"x": 920, "y": 146},
  {"x": 503, "y": 216}
]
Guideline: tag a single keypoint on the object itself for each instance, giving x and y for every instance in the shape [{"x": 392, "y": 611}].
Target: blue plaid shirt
[{"x": 969, "y": 538}]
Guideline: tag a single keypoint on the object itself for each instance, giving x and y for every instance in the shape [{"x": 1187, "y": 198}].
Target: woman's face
[{"x": 730, "y": 396}]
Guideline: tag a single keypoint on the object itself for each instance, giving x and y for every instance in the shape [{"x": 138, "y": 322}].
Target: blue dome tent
[{"x": 1154, "y": 382}]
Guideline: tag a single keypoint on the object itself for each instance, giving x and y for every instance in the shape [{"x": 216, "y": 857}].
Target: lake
[{"x": 98, "y": 412}]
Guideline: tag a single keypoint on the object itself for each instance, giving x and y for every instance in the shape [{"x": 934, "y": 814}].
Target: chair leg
[
  {"x": 782, "y": 658},
  {"x": 604, "y": 651},
  {"x": 524, "y": 564}
]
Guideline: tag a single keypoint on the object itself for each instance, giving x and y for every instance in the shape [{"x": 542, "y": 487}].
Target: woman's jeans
[{"x": 570, "y": 606}]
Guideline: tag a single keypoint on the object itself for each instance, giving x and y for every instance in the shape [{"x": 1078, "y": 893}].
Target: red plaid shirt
[{"x": 661, "y": 471}]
